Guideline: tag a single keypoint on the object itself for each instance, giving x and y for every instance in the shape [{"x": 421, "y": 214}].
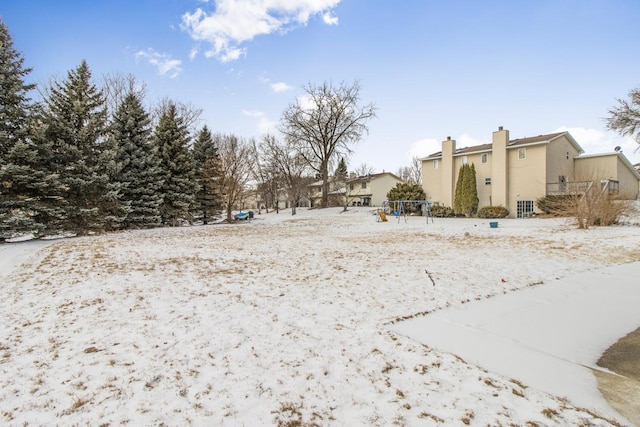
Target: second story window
[
  {"x": 464, "y": 160},
  {"x": 435, "y": 164},
  {"x": 351, "y": 186},
  {"x": 522, "y": 153},
  {"x": 364, "y": 184},
  {"x": 484, "y": 157}
]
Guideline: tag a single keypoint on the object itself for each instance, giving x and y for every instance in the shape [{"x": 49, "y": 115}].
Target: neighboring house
[
  {"x": 372, "y": 189},
  {"x": 515, "y": 173},
  {"x": 335, "y": 195},
  {"x": 367, "y": 190}
]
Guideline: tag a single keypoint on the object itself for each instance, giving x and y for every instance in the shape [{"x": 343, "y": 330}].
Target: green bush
[
  {"x": 493, "y": 212},
  {"x": 442, "y": 211}
]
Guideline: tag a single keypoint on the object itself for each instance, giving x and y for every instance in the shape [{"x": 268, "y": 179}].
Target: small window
[
  {"x": 364, "y": 184},
  {"x": 351, "y": 186},
  {"x": 435, "y": 164},
  {"x": 522, "y": 153},
  {"x": 567, "y": 155},
  {"x": 487, "y": 181},
  {"x": 484, "y": 157},
  {"x": 464, "y": 160}
]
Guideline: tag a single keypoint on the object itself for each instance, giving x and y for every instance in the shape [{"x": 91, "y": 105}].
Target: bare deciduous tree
[
  {"x": 117, "y": 86},
  {"x": 415, "y": 171},
  {"x": 266, "y": 175},
  {"x": 364, "y": 169},
  {"x": 412, "y": 173},
  {"x": 291, "y": 167},
  {"x": 189, "y": 113},
  {"x": 235, "y": 159},
  {"x": 324, "y": 124},
  {"x": 625, "y": 118}
]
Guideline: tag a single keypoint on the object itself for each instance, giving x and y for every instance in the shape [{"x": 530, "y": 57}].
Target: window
[
  {"x": 567, "y": 155},
  {"x": 364, "y": 184},
  {"x": 435, "y": 164},
  {"x": 524, "y": 208},
  {"x": 610, "y": 185},
  {"x": 562, "y": 181},
  {"x": 351, "y": 186},
  {"x": 484, "y": 157},
  {"x": 487, "y": 181},
  {"x": 522, "y": 153},
  {"x": 464, "y": 160}
]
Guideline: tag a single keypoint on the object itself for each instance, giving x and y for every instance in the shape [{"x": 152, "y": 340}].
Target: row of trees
[{"x": 89, "y": 159}]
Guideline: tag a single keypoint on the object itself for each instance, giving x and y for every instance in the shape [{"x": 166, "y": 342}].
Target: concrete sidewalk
[{"x": 549, "y": 336}]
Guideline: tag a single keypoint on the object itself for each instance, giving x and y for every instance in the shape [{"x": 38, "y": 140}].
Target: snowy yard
[{"x": 282, "y": 320}]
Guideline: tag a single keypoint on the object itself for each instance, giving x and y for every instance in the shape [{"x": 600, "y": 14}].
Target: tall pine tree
[
  {"x": 471, "y": 191},
  {"x": 179, "y": 186},
  {"x": 75, "y": 118},
  {"x": 28, "y": 195},
  {"x": 208, "y": 175},
  {"x": 137, "y": 164},
  {"x": 459, "y": 191}
]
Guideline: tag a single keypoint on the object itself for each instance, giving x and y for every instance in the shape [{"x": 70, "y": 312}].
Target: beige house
[
  {"x": 367, "y": 190},
  {"x": 514, "y": 173},
  {"x": 372, "y": 189}
]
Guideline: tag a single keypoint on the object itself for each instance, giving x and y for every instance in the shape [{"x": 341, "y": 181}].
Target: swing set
[{"x": 400, "y": 208}]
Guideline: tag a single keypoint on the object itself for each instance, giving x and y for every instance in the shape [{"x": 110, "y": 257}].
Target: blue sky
[{"x": 433, "y": 68}]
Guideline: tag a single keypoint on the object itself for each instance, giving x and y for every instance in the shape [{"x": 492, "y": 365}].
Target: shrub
[
  {"x": 442, "y": 211},
  {"x": 493, "y": 212},
  {"x": 594, "y": 207},
  {"x": 555, "y": 204}
]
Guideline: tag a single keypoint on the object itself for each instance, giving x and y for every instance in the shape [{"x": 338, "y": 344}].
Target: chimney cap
[
  {"x": 448, "y": 138},
  {"x": 500, "y": 128}
]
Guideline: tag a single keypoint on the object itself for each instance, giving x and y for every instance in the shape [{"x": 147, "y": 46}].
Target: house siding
[
  {"x": 527, "y": 177},
  {"x": 514, "y": 179}
]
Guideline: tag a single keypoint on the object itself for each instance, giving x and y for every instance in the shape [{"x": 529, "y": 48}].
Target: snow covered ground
[{"x": 282, "y": 320}]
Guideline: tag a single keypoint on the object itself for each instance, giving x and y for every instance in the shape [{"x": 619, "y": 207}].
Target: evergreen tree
[
  {"x": 466, "y": 193},
  {"x": 341, "y": 174},
  {"x": 471, "y": 191},
  {"x": 408, "y": 191},
  {"x": 459, "y": 191},
  {"x": 341, "y": 170},
  {"x": 137, "y": 164},
  {"x": 75, "y": 119},
  {"x": 27, "y": 194},
  {"x": 208, "y": 169},
  {"x": 179, "y": 186}
]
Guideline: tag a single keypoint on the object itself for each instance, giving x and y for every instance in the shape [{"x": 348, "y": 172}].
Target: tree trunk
[{"x": 325, "y": 185}]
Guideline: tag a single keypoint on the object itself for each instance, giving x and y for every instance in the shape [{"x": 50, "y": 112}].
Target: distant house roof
[
  {"x": 371, "y": 176},
  {"x": 533, "y": 140}
]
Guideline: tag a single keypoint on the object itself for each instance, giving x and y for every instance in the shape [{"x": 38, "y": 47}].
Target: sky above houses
[{"x": 432, "y": 68}]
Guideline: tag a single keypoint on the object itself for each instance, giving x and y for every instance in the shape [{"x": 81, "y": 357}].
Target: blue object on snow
[
  {"x": 493, "y": 224},
  {"x": 242, "y": 215}
]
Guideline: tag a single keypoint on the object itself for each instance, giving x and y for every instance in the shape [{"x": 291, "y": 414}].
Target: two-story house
[
  {"x": 514, "y": 173},
  {"x": 372, "y": 189}
]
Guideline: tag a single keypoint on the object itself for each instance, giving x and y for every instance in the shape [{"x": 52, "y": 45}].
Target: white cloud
[
  {"x": 280, "y": 87},
  {"x": 466, "y": 140},
  {"x": 329, "y": 19},
  {"x": 193, "y": 52},
  {"x": 263, "y": 123},
  {"x": 595, "y": 141},
  {"x": 234, "y": 22},
  {"x": 424, "y": 147},
  {"x": 164, "y": 64}
]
